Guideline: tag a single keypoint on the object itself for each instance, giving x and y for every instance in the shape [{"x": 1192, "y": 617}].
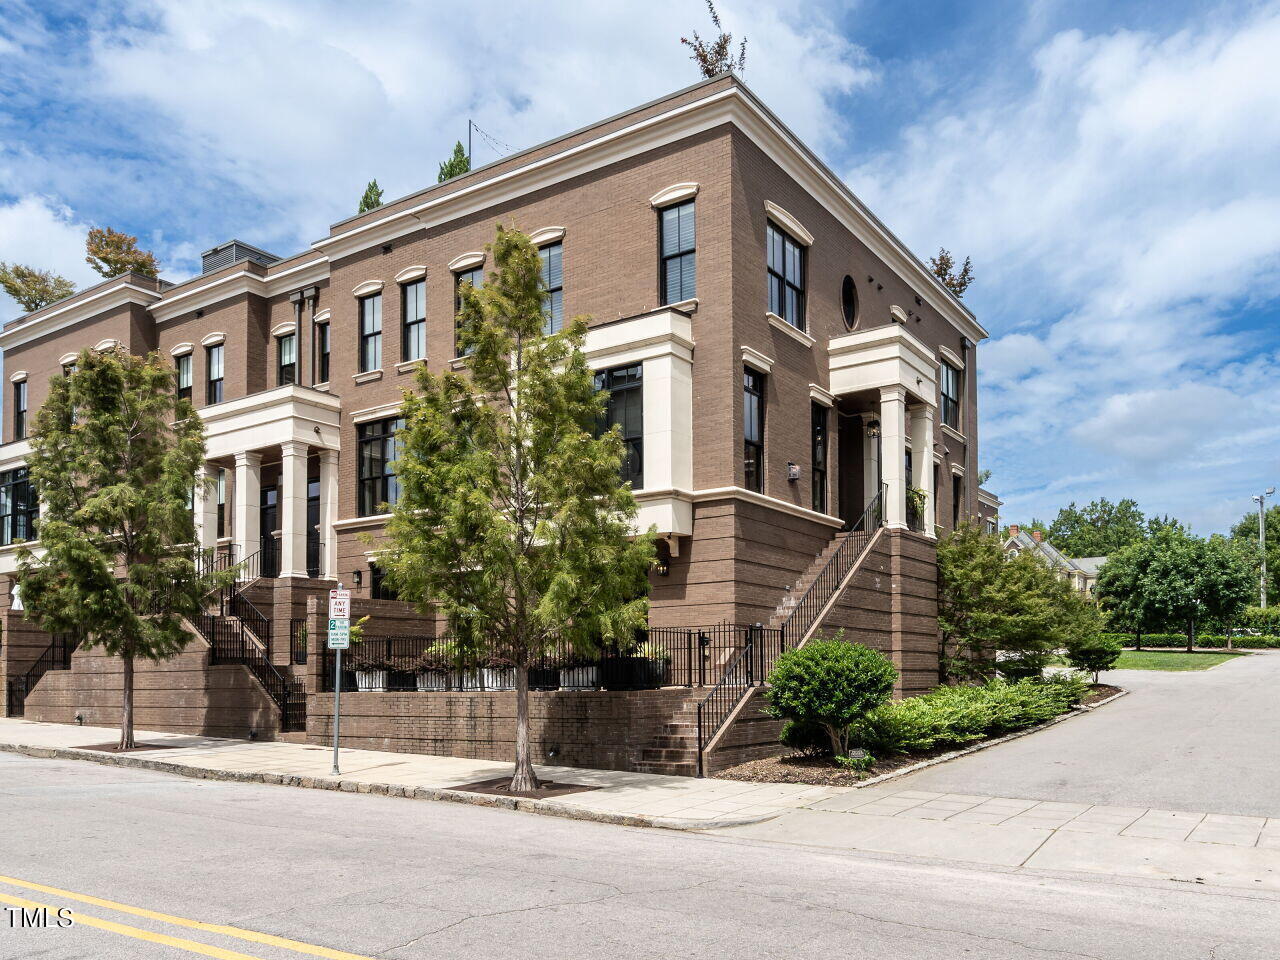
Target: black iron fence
[
  {"x": 657, "y": 657},
  {"x": 298, "y": 639},
  {"x": 230, "y": 642},
  {"x": 56, "y": 656}
]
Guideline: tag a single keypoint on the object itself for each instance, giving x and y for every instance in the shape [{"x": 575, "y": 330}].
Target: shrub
[
  {"x": 1027, "y": 665},
  {"x": 807, "y": 739},
  {"x": 1216, "y": 641},
  {"x": 1094, "y": 654},
  {"x": 830, "y": 684}
]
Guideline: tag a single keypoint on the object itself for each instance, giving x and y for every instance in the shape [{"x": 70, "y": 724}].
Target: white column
[
  {"x": 922, "y": 462},
  {"x": 328, "y": 514},
  {"x": 668, "y": 422},
  {"x": 248, "y": 504},
  {"x": 870, "y": 464},
  {"x": 893, "y": 450},
  {"x": 206, "y": 513},
  {"x": 293, "y": 509}
]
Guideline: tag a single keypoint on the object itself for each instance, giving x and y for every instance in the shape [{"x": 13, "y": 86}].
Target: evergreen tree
[
  {"x": 458, "y": 163},
  {"x": 112, "y": 253},
  {"x": 33, "y": 288},
  {"x": 115, "y": 456},
  {"x": 372, "y": 198},
  {"x": 512, "y": 520}
]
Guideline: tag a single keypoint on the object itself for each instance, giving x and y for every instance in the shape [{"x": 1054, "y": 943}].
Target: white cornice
[
  {"x": 224, "y": 288},
  {"x": 383, "y": 411},
  {"x": 754, "y": 358},
  {"x": 18, "y": 376},
  {"x": 822, "y": 395},
  {"x": 321, "y": 317},
  {"x": 792, "y": 331},
  {"x": 673, "y": 194},
  {"x": 466, "y": 261},
  {"x": 182, "y": 349},
  {"x": 77, "y": 311},
  {"x": 367, "y": 288},
  {"x": 546, "y": 235},
  {"x": 788, "y": 223},
  {"x": 213, "y": 339},
  {"x": 108, "y": 343},
  {"x": 409, "y": 274},
  {"x": 67, "y": 358},
  {"x": 951, "y": 357},
  {"x": 284, "y": 328}
]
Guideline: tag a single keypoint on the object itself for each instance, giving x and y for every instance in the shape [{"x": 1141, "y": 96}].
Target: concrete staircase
[
  {"x": 798, "y": 589},
  {"x": 674, "y": 751}
]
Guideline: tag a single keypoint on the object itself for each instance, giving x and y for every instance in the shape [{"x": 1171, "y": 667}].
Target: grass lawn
[{"x": 1173, "y": 659}]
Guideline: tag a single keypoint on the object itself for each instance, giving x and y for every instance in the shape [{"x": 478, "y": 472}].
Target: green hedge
[
  {"x": 1209, "y": 640},
  {"x": 954, "y": 716}
]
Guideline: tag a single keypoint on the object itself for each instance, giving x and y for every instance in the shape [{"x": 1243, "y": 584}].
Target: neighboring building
[
  {"x": 776, "y": 356},
  {"x": 1082, "y": 573},
  {"x": 989, "y": 511}
]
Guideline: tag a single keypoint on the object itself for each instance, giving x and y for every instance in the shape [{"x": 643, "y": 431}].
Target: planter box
[
  {"x": 580, "y": 678},
  {"x": 499, "y": 678},
  {"x": 544, "y": 678},
  {"x": 371, "y": 681},
  {"x": 634, "y": 673},
  {"x": 432, "y": 680},
  {"x": 464, "y": 680}
]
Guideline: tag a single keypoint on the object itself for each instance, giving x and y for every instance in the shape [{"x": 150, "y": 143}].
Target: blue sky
[{"x": 1110, "y": 167}]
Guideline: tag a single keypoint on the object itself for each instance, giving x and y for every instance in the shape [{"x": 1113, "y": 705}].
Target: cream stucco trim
[
  {"x": 213, "y": 339},
  {"x": 381, "y": 412},
  {"x": 897, "y": 314},
  {"x": 110, "y": 343},
  {"x": 182, "y": 349},
  {"x": 367, "y": 288},
  {"x": 822, "y": 396},
  {"x": 353, "y": 523},
  {"x": 673, "y": 194},
  {"x": 411, "y": 273},
  {"x": 951, "y": 357},
  {"x": 367, "y": 377},
  {"x": 742, "y": 493},
  {"x": 953, "y": 433},
  {"x": 754, "y": 358},
  {"x": 989, "y": 500},
  {"x": 881, "y": 358},
  {"x": 459, "y": 363},
  {"x": 788, "y": 223},
  {"x": 321, "y": 317},
  {"x": 795, "y": 333},
  {"x": 466, "y": 261},
  {"x": 404, "y": 366},
  {"x": 18, "y": 376},
  {"x": 284, "y": 329},
  {"x": 546, "y": 235},
  {"x": 957, "y": 470},
  {"x": 67, "y": 358},
  {"x": 685, "y": 306}
]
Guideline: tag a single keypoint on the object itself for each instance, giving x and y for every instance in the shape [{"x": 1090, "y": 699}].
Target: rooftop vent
[{"x": 233, "y": 251}]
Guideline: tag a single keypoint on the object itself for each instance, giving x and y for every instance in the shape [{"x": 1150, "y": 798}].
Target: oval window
[{"x": 849, "y": 302}]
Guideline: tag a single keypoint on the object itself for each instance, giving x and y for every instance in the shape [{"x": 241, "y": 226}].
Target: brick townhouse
[{"x": 797, "y": 392}]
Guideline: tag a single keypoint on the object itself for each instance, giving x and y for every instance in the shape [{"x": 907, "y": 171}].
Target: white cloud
[
  {"x": 39, "y": 233},
  {"x": 1123, "y": 214}
]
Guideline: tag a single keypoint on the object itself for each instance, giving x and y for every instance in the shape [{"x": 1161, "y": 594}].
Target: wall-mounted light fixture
[
  {"x": 793, "y": 472},
  {"x": 873, "y": 429},
  {"x": 662, "y": 559},
  {"x": 358, "y": 577}
]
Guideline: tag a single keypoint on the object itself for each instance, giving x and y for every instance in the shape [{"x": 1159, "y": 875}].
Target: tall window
[
  {"x": 475, "y": 277},
  {"x": 321, "y": 347},
  {"x": 413, "y": 321},
  {"x": 553, "y": 280},
  {"x": 371, "y": 333},
  {"x": 379, "y": 588},
  {"x": 222, "y": 503},
  {"x": 818, "y": 420},
  {"x": 287, "y": 359},
  {"x": 625, "y": 407},
  {"x": 753, "y": 429},
  {"x": 213, "y": 366},
  {"x": 957, "y": 499},
  {"x": 20, "y": 410},
  {"x": 950, "y": 390},
  {"x": 786, "y": 277},
  {"x": 19, "y": 507},
  {"x": 376, "y": 450},
  {"x": 183, "y": 365},
  {"x": 679, "y": 279}
]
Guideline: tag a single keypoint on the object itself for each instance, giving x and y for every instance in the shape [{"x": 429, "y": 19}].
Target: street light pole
[{"x": 1260, "y": 500}]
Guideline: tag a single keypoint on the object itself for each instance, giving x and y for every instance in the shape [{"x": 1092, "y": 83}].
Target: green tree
[
  {"x": 716, "y": 56},
  {"x": 371, "y": 199},
  {"x": 1093, "y": 653},
  {"x": 1098, "y": 529},
  {"x": 115, "y": 456},
  {"x": 33, "y": 288},
  {"x": 943, "y": 267},
  {"x": 1120, "y": 593},
  {"x": 457, "y": 164},
  {"x": 112, "y": 253},
  {"x": 512, "y": 519},
  {"x": 1245, "y": 533}
]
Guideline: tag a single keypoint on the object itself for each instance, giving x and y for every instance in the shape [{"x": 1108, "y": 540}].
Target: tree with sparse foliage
[
  {"x": 457, "y": 164},
  {"x": 372, "y": 198},
  {"x": 112, "y": 253},
  {"x": 115, "y": 455},
  {"x": 512, "y": 520},
  {"x": 1245, "y": 533},
  {"x": 944, "y": 268},
  {"x": 716, "y": 56},
  {"x": 33, "y": 288}
]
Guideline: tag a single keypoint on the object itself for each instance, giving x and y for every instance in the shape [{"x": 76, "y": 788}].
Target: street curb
[
  {"x": 546, "y": 808},
  {"x": 986, "y": 744}
]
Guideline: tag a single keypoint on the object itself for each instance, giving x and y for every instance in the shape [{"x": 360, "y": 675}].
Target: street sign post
[{"x": 339, "y": 640}]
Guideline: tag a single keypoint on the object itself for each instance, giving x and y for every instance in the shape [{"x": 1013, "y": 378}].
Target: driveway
[{"x": 1201, "y": 740}]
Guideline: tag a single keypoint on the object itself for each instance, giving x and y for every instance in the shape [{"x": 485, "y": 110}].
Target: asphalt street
[{"x": 147, "y": 861}]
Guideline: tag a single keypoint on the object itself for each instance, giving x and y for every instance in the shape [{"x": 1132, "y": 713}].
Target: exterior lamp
[
  {"x": 793, "y": 472},
  {"x": 873, "y": 429},
  {"x": 358, "y": 577}
]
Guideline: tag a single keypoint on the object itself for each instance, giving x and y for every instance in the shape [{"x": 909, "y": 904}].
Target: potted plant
[
  {"x": 917, "y": 499},
  {"x": 371, "y": 670},
  {"x": 578, "y": 672},
  {"x": 656, "y": 669},
  {"x": 499, "y": 673},
  {"x": 431, "y": 673},
  {"x": 462, "y": 676},
  {"x": 544, "y": 676}
]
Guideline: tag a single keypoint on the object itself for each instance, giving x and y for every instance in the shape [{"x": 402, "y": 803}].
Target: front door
[
  {"x": 269, "y": 520},
  {"x": 849, "y": 474},
  {"x": 313, "y": 527}
]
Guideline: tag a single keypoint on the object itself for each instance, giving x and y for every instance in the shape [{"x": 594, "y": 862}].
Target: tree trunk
[
  {"x": 126, "y": 711},
  {"x": 523, "y": 778},
  {"x": 1191, "y": 634}
]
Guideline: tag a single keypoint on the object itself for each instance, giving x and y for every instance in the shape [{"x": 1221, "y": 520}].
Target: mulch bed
[
  {"x": 502, "y": 787},
  {"x": 115, "y": 747},
  {"x": 821, "y": 772}
]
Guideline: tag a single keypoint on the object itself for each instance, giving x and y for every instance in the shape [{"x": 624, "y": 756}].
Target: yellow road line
[
  {"x": 222, "y": 930},
  {"x": 84, "y": 919}
]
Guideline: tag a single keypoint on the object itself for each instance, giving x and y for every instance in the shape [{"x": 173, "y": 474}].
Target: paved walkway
[{"x": 1201, "y": 740}]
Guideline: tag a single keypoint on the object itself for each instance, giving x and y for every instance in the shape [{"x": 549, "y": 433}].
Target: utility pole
[
  {"x": 469, "y": 125},
  {"x": 1260, "y": 500}
]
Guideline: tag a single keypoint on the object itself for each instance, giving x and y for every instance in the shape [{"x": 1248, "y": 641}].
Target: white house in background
[{"x": 1082, "y": 573}]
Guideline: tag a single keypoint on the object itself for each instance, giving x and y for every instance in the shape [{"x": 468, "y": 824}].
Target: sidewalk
[{"x": 1007, "y": 832}]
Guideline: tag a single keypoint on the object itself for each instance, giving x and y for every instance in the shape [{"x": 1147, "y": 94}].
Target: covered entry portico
[{"x": 884, "y": 385}]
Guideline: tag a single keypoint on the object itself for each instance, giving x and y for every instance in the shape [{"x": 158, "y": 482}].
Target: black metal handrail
[
  {"x": 56, "y": 656},
  {"x": 257, "y": 622},
  {"x": 230, "y": 642}
]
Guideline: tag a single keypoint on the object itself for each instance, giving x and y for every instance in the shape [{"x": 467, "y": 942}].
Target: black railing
[
  {"x": 298, "y": 640},
  {"x": 56, "y": 656},
  {"x": 657, "y": 657},
  {"x": 259, "y": 624},
  {"x": 230, "y": 642}
]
